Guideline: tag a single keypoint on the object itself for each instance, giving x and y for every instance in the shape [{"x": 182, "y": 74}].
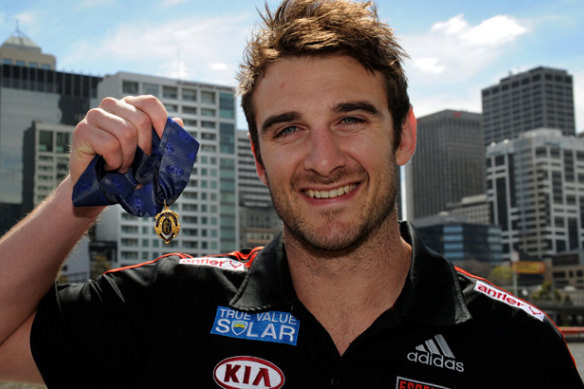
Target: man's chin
[{"x": 327, "y": 241}]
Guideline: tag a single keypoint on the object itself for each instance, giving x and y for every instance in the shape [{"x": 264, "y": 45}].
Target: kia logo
[{"x": 246, "y": 372}]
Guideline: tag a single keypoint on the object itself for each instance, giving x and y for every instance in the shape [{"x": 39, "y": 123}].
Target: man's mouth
[{"x": 329, "y": 194}]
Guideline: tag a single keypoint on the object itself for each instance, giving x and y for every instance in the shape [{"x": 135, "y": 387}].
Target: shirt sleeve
[
  {"x": 91, "y": 335},
  {"x": 557, "y": 363}
]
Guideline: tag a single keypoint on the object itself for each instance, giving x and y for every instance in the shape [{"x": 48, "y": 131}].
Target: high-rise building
[
  {"x": 258, "y": 221},
  {"x": 208, "y": 205},
  {"x": 45, "y": 161},
  {"x": 539, "y": 98},
  {"x": 448, "y": 164},
  {"x": 45, "y": 165},
  {"x": 31, "y": 92},
  {"x": 535, "y": 184}
]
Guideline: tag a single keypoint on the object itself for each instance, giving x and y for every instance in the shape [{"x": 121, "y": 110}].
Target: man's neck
[{"x": 346, "y": 293}]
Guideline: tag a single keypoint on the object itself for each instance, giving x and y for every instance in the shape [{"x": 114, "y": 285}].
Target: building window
[
  {"x": 227, "y": 138},
  {"x": 169, "y": 92},
  {"x": 45, "y": 141},
  {"x": 207, "y": 112},
  {"x": 208, "y": 97},
  {"x": 189, "y": 94},
  {"x": 207, "y": 124},
  {"x": 130, "y": 87},
  {"x": 150, "y": 89},
  {"x": 62, "y": 142},
  {"x": 171, "y": 107},
  {"x": 189, "y": 109},
  {"x": 226, "y": 106}
]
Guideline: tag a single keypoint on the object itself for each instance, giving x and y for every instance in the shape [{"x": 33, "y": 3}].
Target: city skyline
[{"x": 456, "y": 48}]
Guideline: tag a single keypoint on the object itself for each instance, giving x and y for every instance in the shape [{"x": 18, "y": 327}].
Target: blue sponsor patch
[{"x": 271, "y": 326}]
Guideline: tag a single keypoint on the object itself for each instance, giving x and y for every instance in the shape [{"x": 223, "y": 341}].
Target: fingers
[
  {"x": 114, "y": 130},
  {"x": 152, "y": 108}
]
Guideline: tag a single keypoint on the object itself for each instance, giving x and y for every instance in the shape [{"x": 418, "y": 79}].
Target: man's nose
[{"x": 324, "y": 153}]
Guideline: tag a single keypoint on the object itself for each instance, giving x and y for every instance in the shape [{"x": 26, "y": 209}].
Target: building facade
[
  {"x": 208, "y": 205},
  {"x": 45, "y": 161},
  {"x": 474, "y": 208},
  {"x": 448, "y": 164},
  {"x": 535, "y": 185},
  {"x": 45, "y": 165},
  {"x": 539, "y": 98},
  {"x": 258, "y": 221},
  {"x": 32, "y": 91},
  {"x": 460, "y": 241},
  {"x": 20, "y": 50}
]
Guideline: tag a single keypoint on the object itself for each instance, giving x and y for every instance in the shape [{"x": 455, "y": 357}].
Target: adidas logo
[{"x": 436, "y": 352}]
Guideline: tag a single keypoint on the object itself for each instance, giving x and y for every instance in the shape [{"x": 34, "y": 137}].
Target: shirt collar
[
  {"x": 268, "y": 283},
  {"x": 431, "y": 294}
]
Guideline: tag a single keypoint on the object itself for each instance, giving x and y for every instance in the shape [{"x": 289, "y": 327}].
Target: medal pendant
[{"x": 167, "y": 225}]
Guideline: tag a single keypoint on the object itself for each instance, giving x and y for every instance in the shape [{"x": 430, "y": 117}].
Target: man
[{"x": 346, "y": 297}]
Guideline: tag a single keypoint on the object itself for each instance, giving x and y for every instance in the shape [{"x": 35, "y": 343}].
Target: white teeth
[{"x": 329, "y": 194}]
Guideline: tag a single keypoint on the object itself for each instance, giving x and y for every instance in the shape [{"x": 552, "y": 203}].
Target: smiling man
[{"x": 346, "y": 297}]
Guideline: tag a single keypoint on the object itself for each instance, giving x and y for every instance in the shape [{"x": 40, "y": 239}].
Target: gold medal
[{"x": 167, "y": 225}]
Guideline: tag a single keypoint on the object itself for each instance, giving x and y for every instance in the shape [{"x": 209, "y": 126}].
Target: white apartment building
[
  {"x": 535, "y": 184},
  {"x": 208, "y": 205}
]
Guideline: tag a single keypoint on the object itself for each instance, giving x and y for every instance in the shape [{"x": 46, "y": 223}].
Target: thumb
[{"x": 179, "y": 121}]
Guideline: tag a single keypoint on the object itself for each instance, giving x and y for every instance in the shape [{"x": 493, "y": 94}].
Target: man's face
[{"x": 325, "y": 135}]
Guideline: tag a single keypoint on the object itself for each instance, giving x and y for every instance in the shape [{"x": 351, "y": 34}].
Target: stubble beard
[{"x": 338, "y": 240}]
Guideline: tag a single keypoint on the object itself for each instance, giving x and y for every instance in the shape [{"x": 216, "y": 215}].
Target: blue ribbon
[{"x": 162, "y": 176}]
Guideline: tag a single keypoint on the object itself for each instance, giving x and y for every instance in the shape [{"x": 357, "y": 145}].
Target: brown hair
[{"x": 325, "y": 27}]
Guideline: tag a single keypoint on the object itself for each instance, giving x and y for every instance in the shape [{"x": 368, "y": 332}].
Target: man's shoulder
[
  {"x": 177, "y": 271},
  {"x": 486, "y": 299},
  {"x": 235, "y": 261}
]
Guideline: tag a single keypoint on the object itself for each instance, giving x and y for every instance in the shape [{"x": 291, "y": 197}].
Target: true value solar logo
[{"x": 270, "y": 326}]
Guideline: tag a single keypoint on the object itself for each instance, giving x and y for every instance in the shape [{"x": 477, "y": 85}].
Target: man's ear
[
  {"x": 259, "y": 165},
  {"x": 406, "y": 148}
]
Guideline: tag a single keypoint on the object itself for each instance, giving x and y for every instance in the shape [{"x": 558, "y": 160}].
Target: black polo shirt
[{"x": 234, "y": 321}]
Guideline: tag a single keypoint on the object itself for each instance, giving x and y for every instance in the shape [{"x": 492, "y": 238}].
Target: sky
[{"x": 456, "y": 47}]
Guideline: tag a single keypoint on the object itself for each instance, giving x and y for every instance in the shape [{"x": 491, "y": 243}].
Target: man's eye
[
  {"x": 287, "y": 131},
  {"x": 351, "y": 120}
]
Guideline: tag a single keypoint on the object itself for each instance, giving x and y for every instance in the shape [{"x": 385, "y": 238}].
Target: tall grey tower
[
  {"x": 449, "y": 162},
  {"x": 539, "y": 98}
]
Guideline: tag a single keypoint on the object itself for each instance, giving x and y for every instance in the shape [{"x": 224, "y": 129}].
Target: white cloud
[
  {"x": 457, "y": 50},
  {"x": 218, "y": 66},
  {"x": 207, "y": 49},
  {"x": 495, "y": 31},
  {"x": 428, "y": 65},
  {"x": 27, "y": 17}
]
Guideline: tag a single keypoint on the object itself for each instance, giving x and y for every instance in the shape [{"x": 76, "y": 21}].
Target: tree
[
  {"x": 99, "y": 266},
  {"x": 501, "y": 275}
]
